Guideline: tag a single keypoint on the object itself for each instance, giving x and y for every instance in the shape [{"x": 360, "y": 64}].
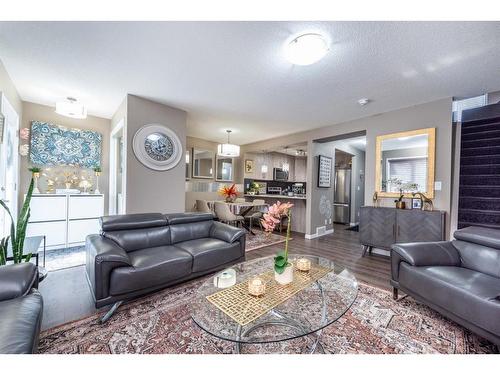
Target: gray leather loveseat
[
  {"x": 21, "y": 309},
  {"x": 460, "y": 279},
  {"x": 139, "y": 253}
]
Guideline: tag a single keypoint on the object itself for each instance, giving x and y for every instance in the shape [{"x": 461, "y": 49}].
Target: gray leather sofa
[
  {"x": 460, "y": 279},
  {"x": 139, "y": 253},
  {"x": 21, "y": 309}
]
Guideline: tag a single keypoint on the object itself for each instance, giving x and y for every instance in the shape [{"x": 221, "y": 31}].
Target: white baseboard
[{"x": 316, "y": 235}]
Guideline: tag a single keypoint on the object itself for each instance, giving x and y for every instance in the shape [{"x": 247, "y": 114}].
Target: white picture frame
[{"x": 162, "y": 162}]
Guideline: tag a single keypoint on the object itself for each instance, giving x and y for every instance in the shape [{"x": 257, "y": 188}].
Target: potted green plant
[
  {"x": 283, "y": 269},
  {"x": 17, "y": 231}
]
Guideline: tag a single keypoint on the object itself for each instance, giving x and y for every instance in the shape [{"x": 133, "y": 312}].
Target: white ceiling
[{"x": 233, "y": 75}]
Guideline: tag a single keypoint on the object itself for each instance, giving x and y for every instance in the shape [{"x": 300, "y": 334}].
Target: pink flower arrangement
[
  {"x": 269, "y": 221},
  {"x": 274, "y": 215}
]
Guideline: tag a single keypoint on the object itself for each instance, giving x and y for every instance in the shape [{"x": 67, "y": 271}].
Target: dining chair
[
  {"x": 202, "y": 206},
  {"x": 225, "y": 215},
  {"x": 256, "y": 214}
]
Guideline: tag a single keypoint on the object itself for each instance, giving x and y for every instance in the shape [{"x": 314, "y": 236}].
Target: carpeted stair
[{"x": 479, "y": 192}]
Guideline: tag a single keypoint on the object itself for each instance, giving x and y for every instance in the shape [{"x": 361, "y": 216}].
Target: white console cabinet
[{"x": 65, "y": 219}]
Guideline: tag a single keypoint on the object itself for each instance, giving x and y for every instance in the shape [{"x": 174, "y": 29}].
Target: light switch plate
[{"x": 437, "y": 185}]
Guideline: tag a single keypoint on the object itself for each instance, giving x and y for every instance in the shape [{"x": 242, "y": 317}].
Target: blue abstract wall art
[{"x": 56, "y": 145}]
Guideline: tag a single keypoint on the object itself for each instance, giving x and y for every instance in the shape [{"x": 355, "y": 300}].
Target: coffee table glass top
[{"x": 310, "y": 310}]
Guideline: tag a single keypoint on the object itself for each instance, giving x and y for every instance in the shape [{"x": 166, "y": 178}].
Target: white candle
[
  {"x": 304, "y": 264},
  {"x": 256, "y": 287}
]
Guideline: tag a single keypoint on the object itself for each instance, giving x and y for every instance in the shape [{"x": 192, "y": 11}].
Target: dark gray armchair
[
  {"x": 21, "y": 309},
  {"x": 140, "y": 253},
  {"x": 459, "y": 278}
]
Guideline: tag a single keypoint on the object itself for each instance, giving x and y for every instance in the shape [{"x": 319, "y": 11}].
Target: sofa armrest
[
  {"x": 16, "y": 280},
  {"x": 226, "y": 232},
  {"x": 421, "y": 254},
  {"x": 103, "y": 256}
]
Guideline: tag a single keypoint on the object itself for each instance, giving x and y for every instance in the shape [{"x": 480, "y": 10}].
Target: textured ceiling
[{"x": 233, "y": 75}]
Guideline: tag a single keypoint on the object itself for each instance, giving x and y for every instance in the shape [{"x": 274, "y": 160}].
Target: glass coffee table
[{"x": 306, "y": 313}]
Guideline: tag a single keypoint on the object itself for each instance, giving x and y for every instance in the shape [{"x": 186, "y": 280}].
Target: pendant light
[
  {"x": 71, "y": 108},
  {"x": 227, "y": 149}
]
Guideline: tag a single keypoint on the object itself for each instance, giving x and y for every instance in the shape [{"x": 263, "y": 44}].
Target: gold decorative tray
[{"x": 244, "y": 308}]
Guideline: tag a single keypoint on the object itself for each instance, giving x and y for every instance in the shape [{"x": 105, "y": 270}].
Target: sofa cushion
[
  {"x": 150, "y": 267},
  {"x": 471, "y": 295},
  {"x": 210, "y": 252},
  {"x": 190, "y": 231},
  {"x": 478, "y": 257},
  {"x": 20, "y": 324},
  {"x": 135, "y": 239}
]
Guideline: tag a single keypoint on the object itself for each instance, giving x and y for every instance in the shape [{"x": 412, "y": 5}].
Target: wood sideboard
[{"x": 382, "y": 227}]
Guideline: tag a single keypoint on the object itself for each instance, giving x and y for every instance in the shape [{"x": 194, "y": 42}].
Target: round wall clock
[{"x": 157, "y": 147}]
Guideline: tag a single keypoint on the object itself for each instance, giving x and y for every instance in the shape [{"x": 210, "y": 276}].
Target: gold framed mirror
[{"x": 405, "y": 163}]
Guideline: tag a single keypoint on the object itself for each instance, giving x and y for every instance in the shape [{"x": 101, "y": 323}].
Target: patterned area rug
[
  {"x": 260, "y": 239},
  {"x": 161, "y": 323}
]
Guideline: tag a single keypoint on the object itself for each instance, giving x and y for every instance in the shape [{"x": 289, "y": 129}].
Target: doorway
[
  {"x": 9, "y": 163},
  {"x": 117, "y": 162}
]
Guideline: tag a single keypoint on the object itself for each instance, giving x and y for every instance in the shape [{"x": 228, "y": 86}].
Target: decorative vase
[
  {"x": 286, "y": 277},
  {"x": 36, "y": 176},
  {"x": 229, "y": 199},
  {"x": 401, "y": 205}
]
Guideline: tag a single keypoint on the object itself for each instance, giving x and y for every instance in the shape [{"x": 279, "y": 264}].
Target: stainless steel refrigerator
[{"x": 342, "y": 196}]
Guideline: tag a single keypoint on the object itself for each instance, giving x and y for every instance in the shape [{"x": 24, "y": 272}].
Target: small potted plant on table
[{"x": 283, "y": 269}]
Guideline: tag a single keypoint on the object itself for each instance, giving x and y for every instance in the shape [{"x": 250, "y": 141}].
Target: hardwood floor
[{"x": 67, "y": 295}]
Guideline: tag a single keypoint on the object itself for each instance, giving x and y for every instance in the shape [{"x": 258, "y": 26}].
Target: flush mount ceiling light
[
  {"x": 71, "y": 108},
  {"x": 363, "y": 101},
  {"x": 227, "y": 149},
  {"x": 306, "y": 49}
]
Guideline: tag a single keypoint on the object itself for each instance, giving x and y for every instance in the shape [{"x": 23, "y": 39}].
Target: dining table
[{"x": 241, "y": 209}]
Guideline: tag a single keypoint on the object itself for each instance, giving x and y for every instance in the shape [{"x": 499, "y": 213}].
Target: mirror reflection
[
  {"x": 224, "y": 169},
  {"x": 405, "y": 164},
  {"x": 203, "y": 161}
]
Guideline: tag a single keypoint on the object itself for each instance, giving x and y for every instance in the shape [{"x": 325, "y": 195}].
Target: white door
[{"x": 9, "y": 164}]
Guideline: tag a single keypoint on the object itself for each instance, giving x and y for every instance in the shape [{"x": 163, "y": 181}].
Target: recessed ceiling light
[
  {"x": 71, "y": 108},
  {"x": 363, "y": 101},
  {"x": 306, "y": 49}
]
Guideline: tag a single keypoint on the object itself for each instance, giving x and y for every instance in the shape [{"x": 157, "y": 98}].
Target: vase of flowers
[
  {"x": 229, "y": 192},
  {"x": 283, "y": 269}
]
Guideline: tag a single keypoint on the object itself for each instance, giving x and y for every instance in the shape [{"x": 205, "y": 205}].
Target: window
[
  {"x": 469, "y": 103},
  {"x": 408, "y": 170}
]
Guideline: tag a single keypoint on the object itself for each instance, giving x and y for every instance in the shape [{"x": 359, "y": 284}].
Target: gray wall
[
  {"x": 149, "y": 190},
  {"x": 435, "y": 114}
]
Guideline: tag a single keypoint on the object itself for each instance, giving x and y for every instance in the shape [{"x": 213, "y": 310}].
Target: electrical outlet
[
  {"x": 326, "y": 221},
  {"x": 437, "y": 185},
  {"x": 329, "y": 221}
]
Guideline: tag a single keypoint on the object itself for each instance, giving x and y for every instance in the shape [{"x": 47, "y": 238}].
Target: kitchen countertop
[{"x": 275, "y": 196}]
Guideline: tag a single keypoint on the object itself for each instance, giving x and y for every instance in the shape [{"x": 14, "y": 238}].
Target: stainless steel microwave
[{"x": 280, "y": 175}]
